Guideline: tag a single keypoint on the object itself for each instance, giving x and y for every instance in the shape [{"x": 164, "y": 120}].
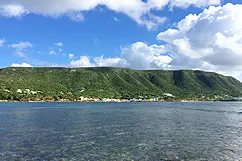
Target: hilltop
[{"x": 25, "y": 84}]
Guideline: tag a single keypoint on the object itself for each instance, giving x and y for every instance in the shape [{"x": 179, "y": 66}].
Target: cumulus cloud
[
  {"x": 2, "y": 41},
  {"x": 20, "y": 48},
  {"x": 137, "y": 56},
  {"x": 21, "y": 65},
  {"x": 108, "y": 62},
  {"x": 84, "y": 61},
  {"x": 211, "y": 40},
  {"x": 12, "y": 10},
  {"x": 141, "y": 56},
  {"x": 137, "y": 10}
]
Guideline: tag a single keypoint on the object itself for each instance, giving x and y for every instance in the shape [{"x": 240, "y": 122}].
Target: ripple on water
[{"x": 160, "y": 131}]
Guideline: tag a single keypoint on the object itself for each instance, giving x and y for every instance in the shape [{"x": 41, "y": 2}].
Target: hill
[{"x": 23, "y": 84}]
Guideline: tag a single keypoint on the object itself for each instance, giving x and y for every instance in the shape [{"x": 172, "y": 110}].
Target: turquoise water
[{"x": 121, "y": 131}]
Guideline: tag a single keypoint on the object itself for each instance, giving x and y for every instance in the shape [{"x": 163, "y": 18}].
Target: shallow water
[{"x": 121, "y": 131}]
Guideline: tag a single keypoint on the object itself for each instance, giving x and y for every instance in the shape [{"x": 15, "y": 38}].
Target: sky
[{"x": 143, "y": 35}]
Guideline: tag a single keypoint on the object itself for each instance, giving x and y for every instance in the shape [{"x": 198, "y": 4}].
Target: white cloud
[
  {"x": 12, "y": 10},
  {"x": 59, "y": 44},
  {"x": 56, "y": 48},
  {"x": 151, "y": 21},
  {"x": 70, "y": 56},
  {"x": 160, "y": 4},
  {"x": 77, "y": 17},
  {"x": 52, "y": 52},
  {"x": 211, "y": 40},
  {"x": 2, "y": 41},
  {"x": 84, "y": 61},
  {"x": 136, "y": 56},
  {"x": 21, "y": 65},
  {"x": 142, "y": 56},
  {"x": 22, "y": 45},
  {"x": 196, "y": 3},
  {"x": 20, "y": 48},
  {"x": 137, "y": 10},
  {"x": 107, "y": 62},
  {"x": 157, "y": 4}
]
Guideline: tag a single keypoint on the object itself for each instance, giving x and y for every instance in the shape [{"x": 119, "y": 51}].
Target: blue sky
[{"x": 129, "y": 33}]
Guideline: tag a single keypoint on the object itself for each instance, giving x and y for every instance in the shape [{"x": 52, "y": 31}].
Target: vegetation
[{"x": 38, "y": 84}]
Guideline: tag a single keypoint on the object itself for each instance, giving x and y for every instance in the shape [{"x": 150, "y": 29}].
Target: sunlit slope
[{"x": 113, "y": 82}]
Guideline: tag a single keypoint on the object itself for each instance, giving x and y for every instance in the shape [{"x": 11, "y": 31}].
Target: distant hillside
[{"x": 59, "y": 83}]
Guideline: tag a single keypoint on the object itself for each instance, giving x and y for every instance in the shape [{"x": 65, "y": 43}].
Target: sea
[{"x": 194, "y": 131}]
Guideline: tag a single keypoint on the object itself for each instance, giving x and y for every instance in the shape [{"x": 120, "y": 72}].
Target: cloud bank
[
  {"x": 137, "y": 10},
  {"x": 137, "y": 56},
  {"x": 210, "y": 41}
]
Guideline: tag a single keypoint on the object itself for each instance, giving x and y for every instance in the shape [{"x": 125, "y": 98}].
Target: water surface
[{"x": 121, "y": 131}]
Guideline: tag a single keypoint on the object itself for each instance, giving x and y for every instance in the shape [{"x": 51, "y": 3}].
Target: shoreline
[{"x": 126, "y": 101}]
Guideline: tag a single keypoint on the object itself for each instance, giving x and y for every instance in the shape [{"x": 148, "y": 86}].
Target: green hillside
[{"x": 66, "y": 83}]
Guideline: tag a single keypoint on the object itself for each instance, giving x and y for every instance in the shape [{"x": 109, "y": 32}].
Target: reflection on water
[{"x": 120, "y": 131}]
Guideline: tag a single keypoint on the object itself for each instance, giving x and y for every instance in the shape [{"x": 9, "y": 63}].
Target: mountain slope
[{"x": 42, "y": 83}]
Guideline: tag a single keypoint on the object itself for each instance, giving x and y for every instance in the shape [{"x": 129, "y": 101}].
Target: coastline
[
  {"x": 109, "y": 100},
  {"x": 122, "y": 101}
]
